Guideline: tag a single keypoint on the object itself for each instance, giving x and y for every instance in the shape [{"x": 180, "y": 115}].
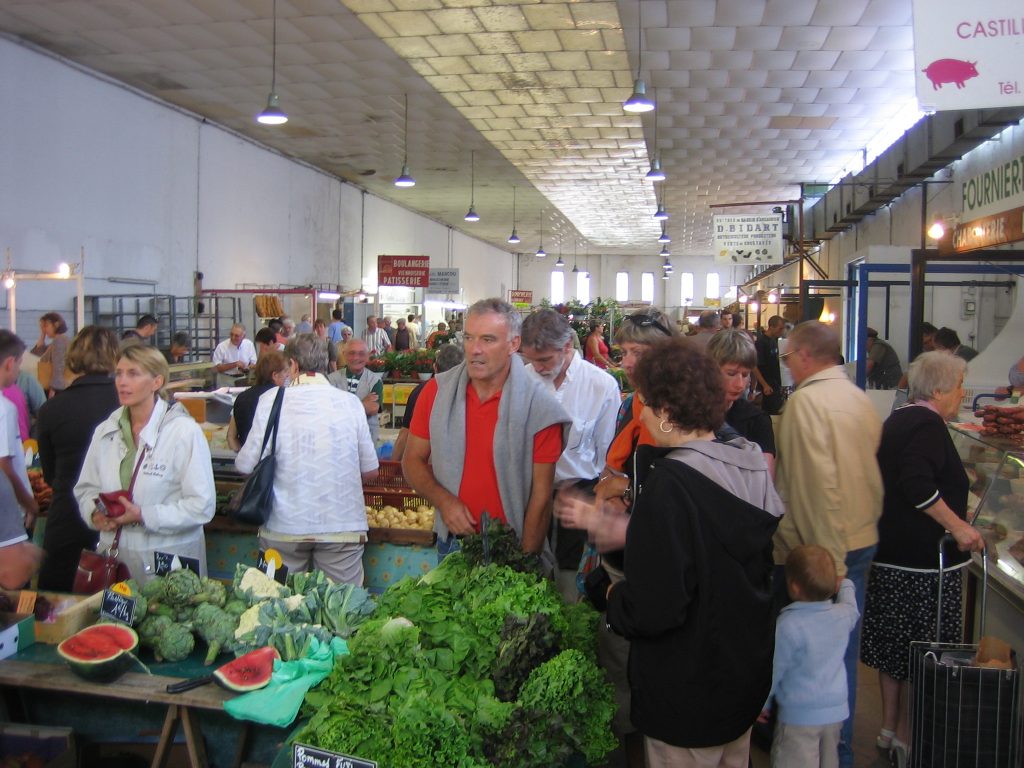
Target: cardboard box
[
  {"x": 16, "y": 633},
  {"x": 76, "y": 612},
  {"x": 54, "y": 746}
]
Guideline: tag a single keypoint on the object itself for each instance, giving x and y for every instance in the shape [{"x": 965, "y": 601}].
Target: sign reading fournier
[
  {"x": 747, "y": 238},
  {"x": 967, "y": 55},
  {"x": 410, "y": 271}
]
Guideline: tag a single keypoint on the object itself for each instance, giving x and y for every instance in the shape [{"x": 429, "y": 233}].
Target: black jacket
[
  {"x": 696, "y": 604},
  {"x": 65, "y": 426}
]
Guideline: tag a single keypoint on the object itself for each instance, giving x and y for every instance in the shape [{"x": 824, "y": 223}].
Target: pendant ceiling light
[
  {"x": 513, "y": 238},
  {"x": 638, "y": 102},
  {"x": 663, "y": 238},
  {"x": 661, "y": 214},
  {"x": 575, "y": 269},
  {"x": 656, "y": 173},
  {"x": 540, "y": 250},
  {"x": 665, "y": 254},
  {"x": 405, "y": 178},
  {"x": 471, "y": 214},
  {"x": 273, "y": 114},
  {"x": 561, "y": 261}
]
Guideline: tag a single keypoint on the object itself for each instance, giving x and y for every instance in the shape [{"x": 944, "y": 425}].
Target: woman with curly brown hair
[
  {"x": 696, "y": 598},
  {"x": 52, "y": 352}
]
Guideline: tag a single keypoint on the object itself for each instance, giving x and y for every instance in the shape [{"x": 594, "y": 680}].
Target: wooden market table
[{"x": 182, "y": 708}]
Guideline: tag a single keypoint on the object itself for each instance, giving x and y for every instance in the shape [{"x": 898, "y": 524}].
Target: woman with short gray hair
[
  {"x": 318, "y": 519},
  {"x": 736, "y": 356},
  {"x": 925, "y": 496}
]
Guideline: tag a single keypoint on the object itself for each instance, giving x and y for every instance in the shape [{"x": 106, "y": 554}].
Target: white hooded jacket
[{"x": 174, "y": 487}]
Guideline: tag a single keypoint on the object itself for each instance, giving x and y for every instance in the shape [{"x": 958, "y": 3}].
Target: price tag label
[
  {"x": 118, "y": 606},
  {"x": 165, "y": 562},
  {"x": 304, "y": 756},
  {"x": 271, "y": 563}
]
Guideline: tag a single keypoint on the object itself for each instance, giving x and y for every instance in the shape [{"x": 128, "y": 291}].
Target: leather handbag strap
[
  {"x": 272, "y": 422},
  {"x": 112, "y": 549}
]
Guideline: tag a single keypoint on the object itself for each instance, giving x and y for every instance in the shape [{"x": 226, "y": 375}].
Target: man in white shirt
[
  {"x": 12, "y": 455},
  {"x": 377, "y": 341},
  {"x": 591, "y": 398},
  {"x": 234, "y": 356}
]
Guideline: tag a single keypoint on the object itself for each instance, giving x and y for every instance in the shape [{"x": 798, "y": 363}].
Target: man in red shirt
[{"x": 485, "y": 436}]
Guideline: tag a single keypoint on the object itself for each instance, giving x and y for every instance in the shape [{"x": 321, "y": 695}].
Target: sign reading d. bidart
[
  {"x": 747, "y": 238},
  {"x": 968, "y": 55}
]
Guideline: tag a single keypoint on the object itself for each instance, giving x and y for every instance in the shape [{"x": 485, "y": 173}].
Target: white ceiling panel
[{"x": 754, "y": 95}]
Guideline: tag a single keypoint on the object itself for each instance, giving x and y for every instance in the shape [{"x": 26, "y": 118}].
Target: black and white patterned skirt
[{"x": 900, "y": 607}]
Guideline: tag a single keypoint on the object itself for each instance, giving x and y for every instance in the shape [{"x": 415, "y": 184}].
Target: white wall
[{"x": 155, "y": 194}]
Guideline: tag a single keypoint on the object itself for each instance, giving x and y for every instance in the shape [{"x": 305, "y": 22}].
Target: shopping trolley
[{"x": 962, "y": 716}]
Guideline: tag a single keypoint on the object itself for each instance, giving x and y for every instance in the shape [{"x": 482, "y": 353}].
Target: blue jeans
[
  {"x": 858, "y": 562},
  {"x": 446, "y": 546}
]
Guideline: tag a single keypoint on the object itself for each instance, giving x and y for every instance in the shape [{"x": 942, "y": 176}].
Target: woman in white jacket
[{"x": 174, "y": 493}]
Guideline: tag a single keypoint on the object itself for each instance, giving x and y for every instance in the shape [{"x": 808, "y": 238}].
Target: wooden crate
[{"x": 79, "y": 612}]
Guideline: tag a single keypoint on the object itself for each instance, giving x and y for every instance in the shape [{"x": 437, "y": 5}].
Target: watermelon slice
[
  {"x": 100, "y": 653},
  {"x": 248, "y": 672}
]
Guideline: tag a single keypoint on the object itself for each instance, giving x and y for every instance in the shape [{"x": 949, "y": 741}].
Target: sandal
[
  {"x": 884, "y": 740},
  {"x": 898, "y": 754}
]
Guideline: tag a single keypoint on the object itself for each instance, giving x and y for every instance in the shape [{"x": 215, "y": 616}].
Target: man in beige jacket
[{"x": 827, "y": 474}]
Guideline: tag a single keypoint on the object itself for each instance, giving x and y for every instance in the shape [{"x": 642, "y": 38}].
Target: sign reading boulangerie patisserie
[
  {"x": 410, "y": 271},
  {"x": 968, "y": 55},
  {"x": 747, "y": 238}
]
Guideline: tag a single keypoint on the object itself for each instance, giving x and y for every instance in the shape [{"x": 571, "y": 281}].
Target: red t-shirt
[{"x": 478, "y": 489}]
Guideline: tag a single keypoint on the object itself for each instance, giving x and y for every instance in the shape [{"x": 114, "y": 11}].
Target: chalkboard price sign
[
  {"x": 164, "y": 563},
  {"x": 304, "y": 756},
  {"x": 117, "y": 607}
]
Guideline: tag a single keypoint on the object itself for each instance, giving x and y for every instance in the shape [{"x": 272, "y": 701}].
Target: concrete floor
[{"x": 867, "y": 723}]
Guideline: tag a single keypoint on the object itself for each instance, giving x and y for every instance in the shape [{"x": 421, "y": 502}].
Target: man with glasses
[
  {"x": 591, "y": 398},
  {"x": 827, "y": 475},
  {"x": 494, "y": 433}
]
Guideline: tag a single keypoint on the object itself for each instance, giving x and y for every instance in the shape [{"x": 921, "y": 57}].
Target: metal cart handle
[{"x": 984, "y": 587}]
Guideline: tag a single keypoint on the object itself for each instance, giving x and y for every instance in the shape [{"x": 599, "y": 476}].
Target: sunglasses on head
[{"x": 646, "y": 321}]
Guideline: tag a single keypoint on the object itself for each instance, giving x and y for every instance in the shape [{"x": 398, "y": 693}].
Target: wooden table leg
[
  {"x": 243, "y": 743},
  {"x": 163, "y": 747},
  {"x": 193, "y": 739}
]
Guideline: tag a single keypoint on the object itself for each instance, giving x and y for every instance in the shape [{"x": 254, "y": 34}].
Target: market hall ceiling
[{"x": 754, "y": 97}]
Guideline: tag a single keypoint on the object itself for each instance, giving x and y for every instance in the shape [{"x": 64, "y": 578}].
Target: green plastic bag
[{"x": 278, "y": 704}]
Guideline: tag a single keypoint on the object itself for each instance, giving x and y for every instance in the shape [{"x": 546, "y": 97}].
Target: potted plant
[
  {"x": 423, "y": 365},
  {"x": 376, "y": 364}
]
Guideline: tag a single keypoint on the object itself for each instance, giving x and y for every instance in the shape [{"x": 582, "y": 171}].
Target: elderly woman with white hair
[
  {"x": 925, "y": 496},
  {"x": 317, "y": 519}
]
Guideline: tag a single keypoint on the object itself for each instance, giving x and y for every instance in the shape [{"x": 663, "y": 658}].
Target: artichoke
[
  {"x": 212, "y": 591},
  {"x": 181, "y": 586},
  {"x": 216, "y": 627},
  {"x": 174, "y": 644}
]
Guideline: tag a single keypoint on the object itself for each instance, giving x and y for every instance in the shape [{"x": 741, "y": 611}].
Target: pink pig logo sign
[{"x": 956, "y": 71}]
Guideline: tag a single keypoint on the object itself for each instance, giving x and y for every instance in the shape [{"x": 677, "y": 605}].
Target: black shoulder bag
[{"x": 257, "y": 495}]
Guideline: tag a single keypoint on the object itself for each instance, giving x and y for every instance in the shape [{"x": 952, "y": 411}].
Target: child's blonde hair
[{"x": 812, "y": 569}]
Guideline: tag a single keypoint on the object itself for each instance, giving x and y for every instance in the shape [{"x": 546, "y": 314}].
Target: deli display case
[{"x": 995, "y": 466}]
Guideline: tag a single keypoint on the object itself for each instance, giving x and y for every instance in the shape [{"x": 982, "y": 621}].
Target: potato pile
[
  {"x": 1001, "y": 420},
  {"x": 421, "y": 518}
]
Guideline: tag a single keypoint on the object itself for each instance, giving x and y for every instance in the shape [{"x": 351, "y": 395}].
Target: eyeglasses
[{"x": 646, "y": 321}]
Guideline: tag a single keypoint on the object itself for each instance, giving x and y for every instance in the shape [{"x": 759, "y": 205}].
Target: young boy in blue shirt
[{"x": 809, "y": 676}]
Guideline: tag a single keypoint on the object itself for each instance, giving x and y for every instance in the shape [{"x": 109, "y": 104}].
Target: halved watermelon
[
  {"x": 100, "y": 653},
  {"x": 248, "y": 672}
]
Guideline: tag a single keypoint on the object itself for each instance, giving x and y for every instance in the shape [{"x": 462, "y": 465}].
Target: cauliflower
[
  {"x": 253, "y": 585},
  {"x": 249, "y": 620}
]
